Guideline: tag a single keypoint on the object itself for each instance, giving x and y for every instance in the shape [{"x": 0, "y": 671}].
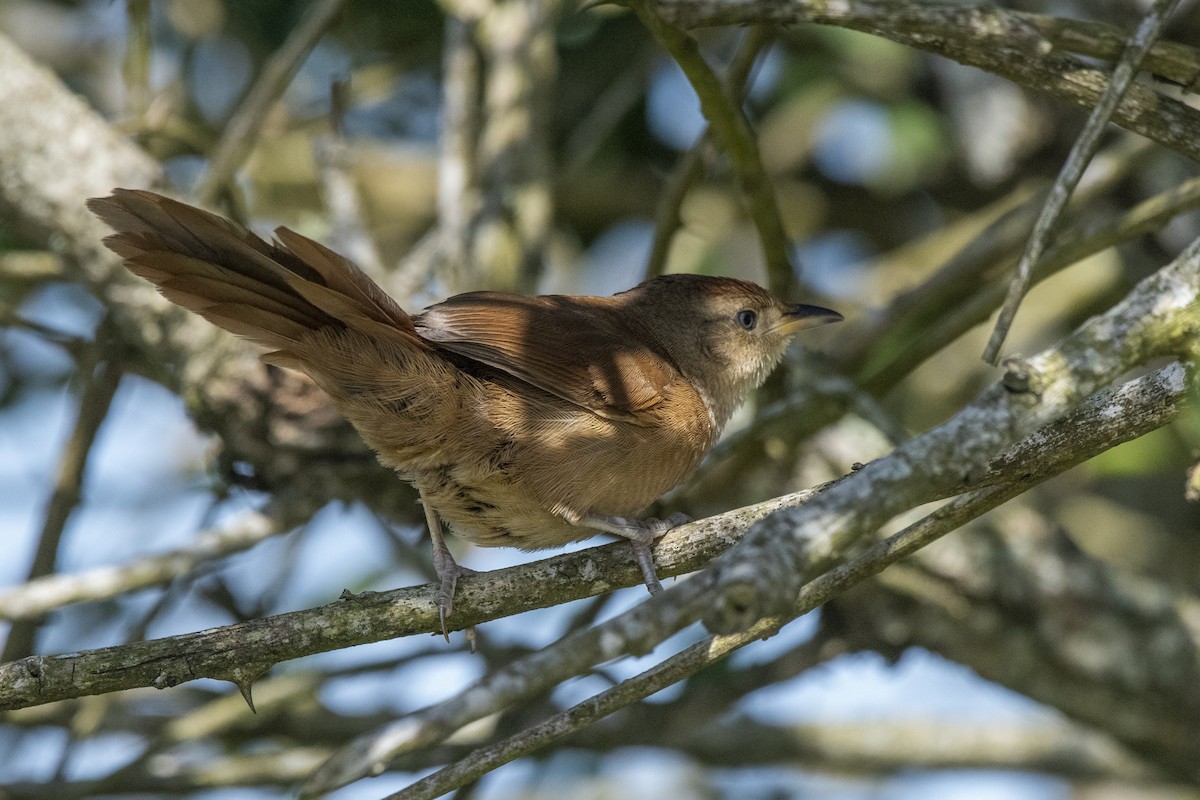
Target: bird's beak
[{"x": 801, "y": 316}]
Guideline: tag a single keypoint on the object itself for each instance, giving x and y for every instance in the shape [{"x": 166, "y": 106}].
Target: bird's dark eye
[{"x": 747, "y": 319}]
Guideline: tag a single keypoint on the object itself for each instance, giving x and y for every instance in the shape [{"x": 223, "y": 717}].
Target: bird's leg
[
  {"x": 641, "y": 533},
  {"x": 448, "y": 570}
]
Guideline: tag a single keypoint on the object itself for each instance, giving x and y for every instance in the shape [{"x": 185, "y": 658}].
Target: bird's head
[{"x": 724, "y": 334}]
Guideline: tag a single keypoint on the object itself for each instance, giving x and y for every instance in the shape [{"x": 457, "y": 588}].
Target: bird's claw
[
  {"x": 642, "y": 540},
  {"x": 642, "y": 534},
  {"x": 659, "y": 527},
  {"x": 449, "y": 571}
]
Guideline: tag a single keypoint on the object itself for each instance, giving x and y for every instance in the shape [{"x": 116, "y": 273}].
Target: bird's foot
[
  {"x": 641, "y": 533},
  {"x": 448, "y": 572}
]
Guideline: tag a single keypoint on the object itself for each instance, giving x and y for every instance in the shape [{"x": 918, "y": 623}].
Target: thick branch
[
  {"x": 997, "y": 40},
  {"x": 242, "y": 652},
  {"x": 1105, "y": 420}
]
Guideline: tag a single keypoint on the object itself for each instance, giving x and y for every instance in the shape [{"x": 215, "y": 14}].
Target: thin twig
[
  {"x": 971, "y": 268},
  {"x": 732, "y": 130},
  {"x": 1074, "y": 244},
  {"x": 135, "y": 70},
  {"x": 604, "y": 114},
  {"x": 690, "y": 169},
  {"x": 243, "y": 128},
  {"x": 94, "y": 402},
  {"x": 1081, "y": 153},
  {"x": 49, "y": 592},
  {"x": 687, "y": 173}
]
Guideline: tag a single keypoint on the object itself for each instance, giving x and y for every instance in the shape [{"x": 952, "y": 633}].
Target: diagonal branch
[
  {"x": 243, "y": 128},
  {"x": 690, "y": 168},
  {"x": 1109, "y": 418},
  {"x": 41, "y": 595},
  {"x": 94, "y": 402},
  {"x": 732, "y": 130},
  {"x": 1076, "y": 243},
  {"x": 1072, "y": 169}
]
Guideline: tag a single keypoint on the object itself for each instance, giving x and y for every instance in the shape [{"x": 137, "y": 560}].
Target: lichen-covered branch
[
  {"x": 1110, "y": 417},
  {"x": 1160, "y": 316},
  {"x": 997, "y": 40},
  {"x": 243, "y": 651}
]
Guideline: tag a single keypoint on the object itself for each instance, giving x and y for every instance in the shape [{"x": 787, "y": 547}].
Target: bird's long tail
[{"x": 273, "y": 294}]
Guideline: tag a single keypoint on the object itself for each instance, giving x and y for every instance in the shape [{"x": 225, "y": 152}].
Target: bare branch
[
  {"x": 1075, "y": 243},
  {"x": 732, "y": 130},
  {"x": 240, "y": 134},
  {"x": 1072, "y": 169},
  {"x": 100, "y": 384},
  {"x": 690, "y": 168},
  {"x": 39, "y": 596},
  {"x": 1112, "y": 416},
  {"x": 997, "y": 40}
]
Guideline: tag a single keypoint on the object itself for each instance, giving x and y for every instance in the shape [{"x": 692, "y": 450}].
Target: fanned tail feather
[{"x": 272, "y": 294}]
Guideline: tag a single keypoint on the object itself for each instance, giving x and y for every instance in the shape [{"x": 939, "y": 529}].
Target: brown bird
[{"x": 527, "y": 422}]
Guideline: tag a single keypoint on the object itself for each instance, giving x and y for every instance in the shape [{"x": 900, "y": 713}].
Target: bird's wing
[{"x": 577, "y": 348}]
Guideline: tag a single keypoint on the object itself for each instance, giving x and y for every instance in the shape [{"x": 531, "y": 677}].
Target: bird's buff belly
[{"x": 496, "y": 513}]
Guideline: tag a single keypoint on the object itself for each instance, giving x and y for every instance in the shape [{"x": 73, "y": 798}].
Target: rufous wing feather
[{"x": 572, "y": 347}]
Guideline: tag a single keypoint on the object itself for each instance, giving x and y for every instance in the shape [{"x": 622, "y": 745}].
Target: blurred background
[{"x": 887, "y": 163}]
